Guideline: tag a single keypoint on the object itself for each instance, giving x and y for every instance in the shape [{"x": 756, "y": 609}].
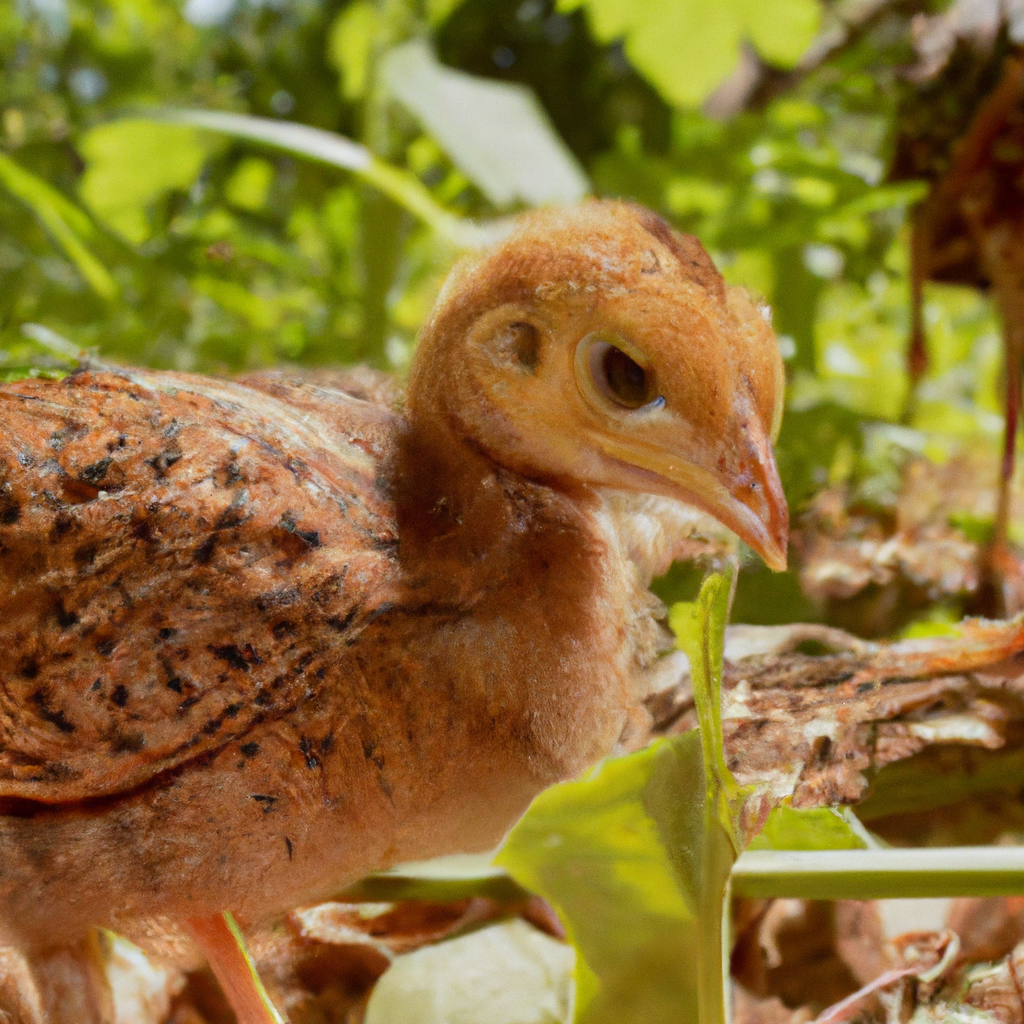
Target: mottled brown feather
[{"x": 182, "y": 558}]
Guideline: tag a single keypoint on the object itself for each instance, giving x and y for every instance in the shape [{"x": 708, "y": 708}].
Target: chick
[{"x": 262, "y": 637}]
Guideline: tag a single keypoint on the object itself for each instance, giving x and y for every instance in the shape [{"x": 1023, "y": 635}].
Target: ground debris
[
  {"x": 818, "y": 728},
  {"x": 872, "y": 568}
]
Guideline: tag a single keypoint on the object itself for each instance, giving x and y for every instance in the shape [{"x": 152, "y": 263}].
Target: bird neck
[{"x": 462, "y": 516}]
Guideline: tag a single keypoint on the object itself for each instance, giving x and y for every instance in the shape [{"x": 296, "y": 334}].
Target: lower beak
[{"x": 750, "y": 502}]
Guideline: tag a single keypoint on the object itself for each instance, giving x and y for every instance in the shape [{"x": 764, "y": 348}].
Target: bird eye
[{"x": 616, "y": 374}]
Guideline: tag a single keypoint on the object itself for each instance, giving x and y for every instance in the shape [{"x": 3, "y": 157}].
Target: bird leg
[{"x": 221, "y": 942}]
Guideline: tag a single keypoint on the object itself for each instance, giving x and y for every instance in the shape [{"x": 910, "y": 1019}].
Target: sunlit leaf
[
  {"x": 595, "y": 851},
  {"x": 780, "y": 32},
  {"x": 688, "y": 47},
  {"x": 635, "y": 857},
  {"x": 133, "y": 162},
  {"x": 496, "y": 132},
  {"x": 249, "y": 185},
  {"x": 816, "y": 828},
  {"x": 338, "y": 151},
  {"x": 350, "y": 45}
]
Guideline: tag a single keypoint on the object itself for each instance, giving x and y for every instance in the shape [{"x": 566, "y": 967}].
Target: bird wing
[{"x": 181, "y": 558}]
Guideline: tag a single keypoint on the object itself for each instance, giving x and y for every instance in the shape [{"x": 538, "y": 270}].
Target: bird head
[{"x": 596, "y": 345}]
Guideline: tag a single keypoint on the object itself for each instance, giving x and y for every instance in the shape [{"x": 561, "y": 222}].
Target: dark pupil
[{"x": 627, "y": 380}]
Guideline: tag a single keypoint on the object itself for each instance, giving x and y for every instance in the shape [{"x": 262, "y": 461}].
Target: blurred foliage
[{"x": 170, "y": 246}]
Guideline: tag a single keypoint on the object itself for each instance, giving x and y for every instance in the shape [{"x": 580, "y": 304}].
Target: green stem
[{"x": 880, "y": 874}]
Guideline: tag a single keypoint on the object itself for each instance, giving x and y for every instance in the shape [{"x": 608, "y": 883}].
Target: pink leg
[{"x": 222, "y": 945}]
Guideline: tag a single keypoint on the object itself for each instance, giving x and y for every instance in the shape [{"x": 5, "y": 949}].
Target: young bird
[{"x": 262, "y": 637}]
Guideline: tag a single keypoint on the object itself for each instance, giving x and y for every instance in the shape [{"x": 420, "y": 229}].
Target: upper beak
[{"x": 758, "y": 509}]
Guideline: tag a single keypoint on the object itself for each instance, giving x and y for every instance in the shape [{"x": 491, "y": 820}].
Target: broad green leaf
[
  {"x": 355, "y": 32},
  {"x": 815, "y": 828},
  {"x": 780, "y": 32},
  {"x": 688, "y": 47},
  {"x": 132, "y": 163},
  {"x": 62, "y": 219},
  {"x": 497, "y": 133},
  {"x": 508, "y": 973},
  {"x": 598, "y": 851}
]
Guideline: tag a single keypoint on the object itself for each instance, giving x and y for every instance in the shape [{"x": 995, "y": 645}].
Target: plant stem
[{"x": 880, "y": 874}]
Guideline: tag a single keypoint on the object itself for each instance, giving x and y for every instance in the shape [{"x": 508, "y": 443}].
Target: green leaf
[
  {"x": 780, "y": 32},
  {"x": 497, "y": 133},
  {"x": 249, "y": 185},
  {"x": 699, "y": 627},
  {"x": 338, "y": 151},
  {"x": 350, "y": 44},
  {"x": 132, "y": 163},
  {"x": 686, "y": 48},
  {"x": 62, "y": 219},
  {"x": 815, "y": 828},
  {"x": 439, "y": 11},
  {"x": 619, "y": 855}
]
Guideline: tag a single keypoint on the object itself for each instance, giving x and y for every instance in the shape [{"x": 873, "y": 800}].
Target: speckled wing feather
[{"x": 180, "y": 559}]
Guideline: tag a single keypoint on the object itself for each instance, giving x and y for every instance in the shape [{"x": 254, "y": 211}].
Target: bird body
[{"x": 260, "y": 637}]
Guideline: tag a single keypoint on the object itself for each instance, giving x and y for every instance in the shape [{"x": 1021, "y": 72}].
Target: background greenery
[{"x": 161, "y": 245}]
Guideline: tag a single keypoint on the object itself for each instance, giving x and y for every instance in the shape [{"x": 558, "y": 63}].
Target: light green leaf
[
  {"x": 598, "y": 851},
  {"x": 439, "y": 11},
  {"x": 815, "y": 828},
  {"x": 132, "y": 163},
  {"x": 65, "y": 222},
  {"x": 509, "y": 973},
  {"x": 249, "y": 185},
  {"x": 350, "y": 46},
  {"x": 686, "y": 48},
  {"x": 780, "y": 31},
  {"x": 497, "y": 133},
  {"x": 699, "y": 627}
]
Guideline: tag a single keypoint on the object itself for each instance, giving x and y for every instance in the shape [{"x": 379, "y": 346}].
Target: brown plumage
[{"x": 260, "y": 637}]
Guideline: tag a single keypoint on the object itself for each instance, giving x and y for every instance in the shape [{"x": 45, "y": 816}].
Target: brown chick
[{"x": 262, "y": 637}]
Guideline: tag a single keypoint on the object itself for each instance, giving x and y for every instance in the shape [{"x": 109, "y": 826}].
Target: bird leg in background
[
  {"x": 1002, "y": 249},
  {"x": 971, "y": 220},
  {"x": 917, "y": 353},
  {"x": 221, "y": 943}
]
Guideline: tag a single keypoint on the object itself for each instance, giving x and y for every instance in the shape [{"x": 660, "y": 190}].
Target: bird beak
[
  {"x": 750, "y": 502},
  {"x": 756, "y": 510}
]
